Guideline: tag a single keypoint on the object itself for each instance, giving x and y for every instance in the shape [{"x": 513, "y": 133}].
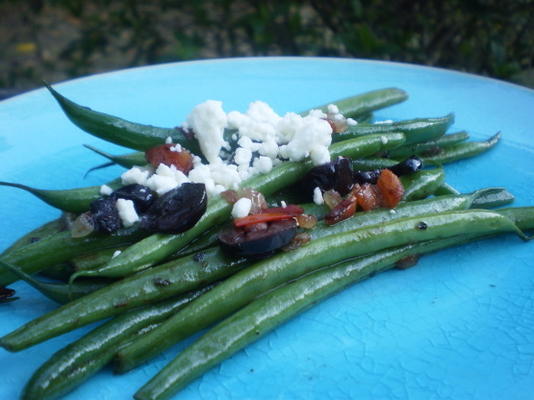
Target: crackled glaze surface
[{"x": 458, "y": 326}]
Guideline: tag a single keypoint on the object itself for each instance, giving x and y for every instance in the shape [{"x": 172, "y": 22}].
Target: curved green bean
[
  {"x": 71, "y": 200},
  {"x": 126, "y": 160},
  {"x": 461, "y": 151},
  {"x": 41, "y": 232},
  {"x": 265, "y": 275},
  {"x": 416, "y": 130},
  {"x": 59, "y": 292},
  {"x": 366, "y": 103},
  {"x": 422, "y": 183},
  {"x": 428, "y": 148},
  {"x": 74, "y": 364}
]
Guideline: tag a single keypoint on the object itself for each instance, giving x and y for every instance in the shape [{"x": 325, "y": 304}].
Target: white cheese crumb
[
  {"x": 384, "y": 139},
  {"x": 263, "y": 164},
  {"x": 283, "y": 204},
  {"x": 242, "y": 156},
  {"x": 127, "y": 212},
  {"x": 241, "y": 207},
  {"x": 351, "y": 122},
  {"x": 208, "y": 120},
  {"x": 135, "y": 175},
  {"x": 332, "y": 109},
  {"x": 392, "y": 211},
  {"x": 318, "y": 196},
  {"x": 176, "y": 148},
  {"x": 116, "y": 253},
  {"x": 319, "y": 155},
  {"x": 105, "y": 190},
  {"x": 168, "y": 140}
]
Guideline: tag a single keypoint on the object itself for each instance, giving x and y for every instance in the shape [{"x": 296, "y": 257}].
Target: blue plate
[{"x": 460, "y": 325}]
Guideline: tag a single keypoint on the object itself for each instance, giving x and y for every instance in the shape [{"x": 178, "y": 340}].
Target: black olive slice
[
  {"x": 241, "y": 242},
  {"x": 333, "y": 175},
  {"x": 105, "y": 215},
  {"x": 177, "y": 210},
  {"x": 408, "y": 166},
  {"x": 362, "y": 177},
  {"x": 141, "y": 196}
]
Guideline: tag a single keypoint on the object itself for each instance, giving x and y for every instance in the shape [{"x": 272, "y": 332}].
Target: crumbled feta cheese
[
  {"x": 384, "y": 139},
  {"x": 241, "y": 207},
  {"x": 168, "y": 140},
  {"x": 318, "y": 196},
  {"x": 263, "y": 164},
  {"x": 116, "y": 253},
  {"x": 135, "y": 175},
  {"x": 242, "y": 156},
  {"x": 105, "y": 190},
  {"x": 208, "y": 120},
  {"x": 319, "y": 155},
  {"x": 127, "y": 212},
  {"x": 332, "y": 109},
  {"x": 176, "y": 148},
  {"x": 351, "y": 122},
  {"x": 283, "y": 204}
]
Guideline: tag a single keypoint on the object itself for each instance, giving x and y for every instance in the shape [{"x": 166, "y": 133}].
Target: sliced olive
[
  {"x": 408, "y": 166},
  {"x": 105, "y": 215},
  {"x": 177, "y": 210},
  {"x": 258, "y": 242},
  {"x": 141, "y": 196},
  {"x": 333, "y": 175}
]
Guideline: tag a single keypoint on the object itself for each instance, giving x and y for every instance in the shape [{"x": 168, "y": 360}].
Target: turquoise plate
[{"x": 458, "y": 326}]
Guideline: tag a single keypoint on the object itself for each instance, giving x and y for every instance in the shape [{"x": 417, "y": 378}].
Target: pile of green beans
[{"x": 164, "y": 288}]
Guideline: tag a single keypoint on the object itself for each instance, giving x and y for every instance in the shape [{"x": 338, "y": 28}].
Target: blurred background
[{"x": 61, "y": 39}]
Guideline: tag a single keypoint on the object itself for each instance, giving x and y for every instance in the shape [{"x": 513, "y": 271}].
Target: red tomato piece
[{"x": 162, "y": 154}]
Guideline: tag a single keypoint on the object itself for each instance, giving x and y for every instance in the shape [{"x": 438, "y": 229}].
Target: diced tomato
[
  {"x": 162, "y": 154},
  {"x": 270, "y": 214},
  {"x": 257, "y": 218},
  {"x": 390, "y": 187}
]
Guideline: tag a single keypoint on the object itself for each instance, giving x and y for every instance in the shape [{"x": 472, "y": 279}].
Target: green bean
[
  {"x": 156, "y": 284},
  {"x": 184, "y": 274},
  {"x": 118, "y": 130},
  {"x": 58, "y": 248},
  {"x": 59, "y": 292},
  {"x": 74, "y": 364},
  {"x": 422, "y": 183},
  {"x": 126, "y": 160},
  {"x": 416, "y": 130},
  {"x": 365, "y": 103},
  {"x": 49, "y": 228},
  {"x": 71, "y": 200},
  {"x": 59, "y": 272},
  {"x": 262, "y": 315},
  {"x": 495, "y": 197},
  {"x": 444, "y": 189},
  {"x": 428, "y": 148},
  {"x": 94, "y": 259},
  {"x": 159, "y": 246},
  {"x": 265, "y": 275},
  {"x": 461, "y": 151}
]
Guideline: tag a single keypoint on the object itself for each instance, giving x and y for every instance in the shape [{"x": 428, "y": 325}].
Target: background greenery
[{"x": 61, "y": 39}]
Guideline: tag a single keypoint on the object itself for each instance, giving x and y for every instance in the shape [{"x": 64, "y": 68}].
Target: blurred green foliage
[{"x": 74, "y": 37}]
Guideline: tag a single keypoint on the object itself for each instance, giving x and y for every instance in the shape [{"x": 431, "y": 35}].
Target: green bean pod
[
  {"x": 184, "y": 274},
  {"x": 126, "y": 160},
  {"x": 41, "y": 232},
  {"x": 445, "y": 189},
  {"x": 71, "y": 200},
  {"x": 369, "y": 164},
  {"x": 243, "y": 287},
  {"x": 119, "y": 131},
  {"x": 428, "y": 148},
  {"x": 365, "y": 103},
  {"x": 416, "y": 130},
  {"x": 159, "y": 246},
  {"x": 156, "y": 284},
  {"x": 462, "y": 151},
  {"x": 422, "y": 183},
  {"x": 264, "y": 314},
  {"x": 59, "y": 292},
  {"x": 94, "y": 259},
  {"x": 58, "y": 248},
  {"x": 77, "y": 362}
]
